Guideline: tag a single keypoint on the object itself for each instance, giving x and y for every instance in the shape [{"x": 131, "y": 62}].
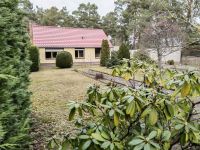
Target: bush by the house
[
  {"x": 114, "y": 60},
  {"x": 123, "y": 52},
  {"x": 170, "y": 62},
  {"x": 14, "y": 80},
  {"x": 143, "y": 56},
  {"x": 34, "y": 58},
  {"x": 64, "y": 60},
  {"x": 105, "y": 53}
]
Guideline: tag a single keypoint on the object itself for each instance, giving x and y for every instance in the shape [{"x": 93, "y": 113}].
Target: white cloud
[{"x": 104, "y": 6}]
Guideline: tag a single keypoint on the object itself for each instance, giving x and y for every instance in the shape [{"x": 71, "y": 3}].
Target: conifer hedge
[
  {"x": 123, "y": 52},
  {"x": 105, "y": 53},
  {"x": 14, "y": 71},
  {"x": 34, "y": 58}
]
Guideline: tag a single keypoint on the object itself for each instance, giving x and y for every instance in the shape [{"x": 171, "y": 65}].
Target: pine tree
[
  {"x": 123, "y": 52},
  {"x": 105, "y": 53},
  {"x": 14, "y": 71}
]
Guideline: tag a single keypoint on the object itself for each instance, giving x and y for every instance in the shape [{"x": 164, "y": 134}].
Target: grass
[{"x": 52, "y": 89}]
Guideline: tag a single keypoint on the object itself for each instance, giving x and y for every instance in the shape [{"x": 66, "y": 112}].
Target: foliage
[
  {"x": 143, "y": 56},
  {"x": 34, "y": 58},
  {"x": 64, "y": 60},
  {"x": 110, "y": 26},
  {"x": 157, "y": 115},
  {"x": 114, "y": 60},
  {"x": 86, "y": 16},
  {"x": 123, "y": 52},
  {"x": 105, "y": 53},
  {"x": 170, "y": 62},
  {"x": 14, "y": 71}
]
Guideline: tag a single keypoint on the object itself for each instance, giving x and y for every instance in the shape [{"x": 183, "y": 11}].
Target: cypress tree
[
  {"x": 14, "y": 71},
  {"x": 105, "y": 53},
  {"x": 123, "y": 52},
  {"x": 34, "y": 58}
]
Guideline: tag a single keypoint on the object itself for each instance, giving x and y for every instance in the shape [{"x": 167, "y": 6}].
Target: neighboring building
[
  {"x": 174, "y": 55},
  {"x": 83, "y": 44}
]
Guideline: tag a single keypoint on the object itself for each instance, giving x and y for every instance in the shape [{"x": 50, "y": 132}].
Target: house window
[
  {"x": 97, "y": 52},
  {"x": 79, "y": 53},
  {"x": 51, "y": 53}
]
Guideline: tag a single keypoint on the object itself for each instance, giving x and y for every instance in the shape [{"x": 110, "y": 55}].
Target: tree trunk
[{"x": 159, "y": 59}]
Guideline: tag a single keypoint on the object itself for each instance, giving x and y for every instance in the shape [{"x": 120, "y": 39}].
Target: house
[{"x": 84, "y": 44}]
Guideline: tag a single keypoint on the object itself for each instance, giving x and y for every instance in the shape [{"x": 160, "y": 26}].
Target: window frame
[
  {"x": 99, "y": 53},
  {"x": 52, "y": 50},
  {"x": 79, "y": 49}
]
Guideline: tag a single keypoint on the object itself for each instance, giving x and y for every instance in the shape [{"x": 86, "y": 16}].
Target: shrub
[
  {"x": 123, "y": 52},
  {"x": 105, "y": 53},
  {"x": 34, "y": 58},
  {"x": 149, "y": 118},
  {"x": 64, "y": 60},
  {"x": 114, "y": 60},
  {"x": 14, "y": 78},
  {"x": 170, "y": 62},
  {"x": 143, "y": 56}
]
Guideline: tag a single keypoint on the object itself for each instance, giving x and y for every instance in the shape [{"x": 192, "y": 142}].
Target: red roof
[{"x": 57, "y": 37}]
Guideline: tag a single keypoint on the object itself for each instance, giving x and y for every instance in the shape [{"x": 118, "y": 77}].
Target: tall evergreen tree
[
  {"x": 14, "y": 71},
  {"x": 105, "y": 53},
  {"x": 123, "y": 52},
  {"x": 87, "y": 16}
]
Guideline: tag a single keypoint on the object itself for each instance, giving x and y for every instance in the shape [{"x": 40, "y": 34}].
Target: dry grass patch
[{"x": 52, "y": 90}]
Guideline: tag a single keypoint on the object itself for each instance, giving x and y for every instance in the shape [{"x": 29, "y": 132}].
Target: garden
[{"x": 126, "y": 102}]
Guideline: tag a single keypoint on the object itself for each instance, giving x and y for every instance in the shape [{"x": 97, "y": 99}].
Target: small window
[
  {"x": 97, "y": 52},
  {"x": 79, "y": 53},
  {"x": 51, "y": 53},
  {"x": 48, "y": 55}
]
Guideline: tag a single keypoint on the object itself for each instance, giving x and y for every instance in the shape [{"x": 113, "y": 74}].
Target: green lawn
[{"x": 52, "y": 89}]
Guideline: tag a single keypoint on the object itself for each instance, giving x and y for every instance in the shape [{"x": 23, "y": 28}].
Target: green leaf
[
  {"x": 170, "y": 109},
  {"x": 184, "y": 139},
  {"x": 166, "y": 135},
  {"x": 105, "y": 135},
  {"x": 72, "y": 113},
  {"x": 139, "y": 147},
  {"x": 145, "y": 112},
  {"x": 84, "y": 137},
  {"x": 153, "y": 117},
  {"x": 156, "y": 145},
  {"x": 147, "y": 146},
  {"x": 98, "y": 137},
  {"x": 116, "y": 119},
  {"x": 111, "y": 112},
  {"x": 152, "y": 135},
  {"x": 111, "y": 96},
  {"x": 135, "y": 142},
  {"x": 166, "y": 146},
  {"x": 105, "y": 145},
  {"x": 86, "y": 145},
  {"x": 179, "y": 126},
  {"x": 185, "y": 89},
  {"x": 112, "y": 146}
]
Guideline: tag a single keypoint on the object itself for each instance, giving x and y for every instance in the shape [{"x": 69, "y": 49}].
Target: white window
[
  {"x": 51, "y": 53},
  {"x": 79, "y": 53}
]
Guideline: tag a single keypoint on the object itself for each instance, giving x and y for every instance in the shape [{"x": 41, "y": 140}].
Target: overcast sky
[{"x": 104, "y": 6}]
